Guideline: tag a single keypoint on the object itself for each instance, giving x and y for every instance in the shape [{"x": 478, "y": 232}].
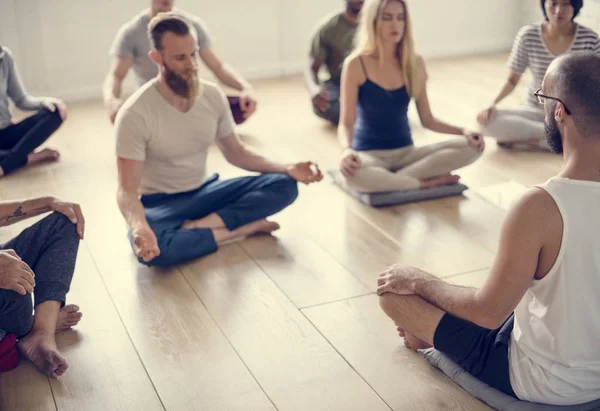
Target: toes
[
  {"x": 71, "y": 308},
  {"x": 74, "y": 317}
]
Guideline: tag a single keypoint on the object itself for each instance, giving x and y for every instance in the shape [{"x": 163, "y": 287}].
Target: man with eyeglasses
[{"x": 530, "y": 331}]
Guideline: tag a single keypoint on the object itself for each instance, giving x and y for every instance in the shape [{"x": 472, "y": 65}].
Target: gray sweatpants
[
  {"x": 402, "y": 169},
  {"x": 517, "y": 126},
  {"x": 49, "y": 247}
]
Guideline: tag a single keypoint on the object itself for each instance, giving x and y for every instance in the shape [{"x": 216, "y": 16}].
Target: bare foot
[
  {"x": 447, "y": 179},
  {"x": 40, "y": 349},
  {"x": 412, "y": 342},
  {"x": 43, "y": 156},
  {"x": 68, "y": 316},
  {"x": 261, "y": 227},
  {"x": 264, "y": 226},
  {"x": 505, "y": 145},
  {"x": 527, "y": 145}
]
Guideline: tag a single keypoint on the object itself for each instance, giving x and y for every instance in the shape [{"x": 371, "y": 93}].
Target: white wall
[
  {"x": 589, "y": 16},
  {"x": 62, "y": 46}
]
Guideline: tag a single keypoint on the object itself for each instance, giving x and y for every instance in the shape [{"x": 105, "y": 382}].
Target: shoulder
[
  {"x": 140, "y": 102},
  {"x": 528, "y": 32},
  {"x": 196, "y": 21},
  {"x": 212, "y": 93},
  {"x": 353, "y": 64},
  {"x": 6, "y": 51},
  {"x": 210, "y": 88},
  {"x": 136, "y": 24},
  {"x": 6, "y": 54},
  {"x": 585, "y": 33},
  {"x": 534, "y": 210},
  {"x": 328, "y": 22}
]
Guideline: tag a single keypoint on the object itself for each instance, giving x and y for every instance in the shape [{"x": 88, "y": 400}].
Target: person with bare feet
[
  {"x": 40, "y": 260},
  {"x": 534, "y": 48},
  {"x": 164, "y": 132},
  {"x": 330, "y": 45},
  {"x": 18, "y": 142},
  {"x": 379, "y": 79},
  {"x": 530, "y": 330},
  {"x": 130, "y": 51}
]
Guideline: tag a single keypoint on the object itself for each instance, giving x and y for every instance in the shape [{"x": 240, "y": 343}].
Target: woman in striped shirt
[{"x": 535, "y": 47}]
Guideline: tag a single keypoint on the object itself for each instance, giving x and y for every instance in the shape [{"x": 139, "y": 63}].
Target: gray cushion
[
  {"x": 491, "y": 396},
  {"x": 397, "y": 197}
]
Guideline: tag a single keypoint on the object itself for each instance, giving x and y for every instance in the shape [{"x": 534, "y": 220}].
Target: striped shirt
[{"x": 529, "y": 50}]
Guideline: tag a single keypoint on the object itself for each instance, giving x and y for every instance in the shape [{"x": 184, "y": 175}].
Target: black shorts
[{"x": 481, "y": 352}]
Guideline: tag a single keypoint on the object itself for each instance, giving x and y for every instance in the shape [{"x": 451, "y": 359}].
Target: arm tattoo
[{"x": 17, "y": 214}]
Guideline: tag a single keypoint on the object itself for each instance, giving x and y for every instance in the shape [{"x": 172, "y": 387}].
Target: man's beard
[
  {"x": 553, "y": 136},
  {"x": 183, "y": 87},
  {"x": 352, "y": 8}
]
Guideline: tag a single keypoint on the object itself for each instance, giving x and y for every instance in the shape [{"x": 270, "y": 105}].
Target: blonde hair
[{"x": 367, "y": 41}]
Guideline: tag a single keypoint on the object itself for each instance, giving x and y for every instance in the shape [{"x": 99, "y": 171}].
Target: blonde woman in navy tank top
[{"x": 379, "y": 79}]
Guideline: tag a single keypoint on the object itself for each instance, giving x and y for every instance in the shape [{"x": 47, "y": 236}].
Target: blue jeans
[
  {"x": 238, "y": 202},
  {"x": 19, "y": 140}
]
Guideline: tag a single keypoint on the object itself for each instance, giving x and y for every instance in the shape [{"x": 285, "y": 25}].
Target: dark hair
[
  {"x": 167, "y": 23},
  {"x": 576, "y": 4},
  {"x": 577, "y": 81}
]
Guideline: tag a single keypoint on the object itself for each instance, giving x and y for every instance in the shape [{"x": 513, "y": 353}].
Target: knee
[
  {"x": 53, "y": 116},
  {"x": 332, "y": 114},
  {"x": 19, "y": 309},
  {"x": 392, "y": 305},
  {"x": 288, "y": 189},
  {"x": 388, "y": 302},
  {"x": 359, "y": 182},
  {"x": 22, "y": 328},
  {"x": 469, "y": 154},
  {"x": 62, "y": 223}
]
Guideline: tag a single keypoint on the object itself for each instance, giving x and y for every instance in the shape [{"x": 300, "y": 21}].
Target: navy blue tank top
[{"x": 381, "y": 117}]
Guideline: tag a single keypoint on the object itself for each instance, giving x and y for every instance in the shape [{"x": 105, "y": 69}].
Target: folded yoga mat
[
  {"x": 397, "y": 197},
  {"x": 491, "y": 396}
]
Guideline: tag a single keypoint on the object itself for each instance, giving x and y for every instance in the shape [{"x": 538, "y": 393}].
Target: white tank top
[{"x": 555, "y": 344}]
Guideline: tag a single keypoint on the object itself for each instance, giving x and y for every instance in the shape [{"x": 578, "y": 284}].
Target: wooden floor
[{"x": 289, "y": 322}]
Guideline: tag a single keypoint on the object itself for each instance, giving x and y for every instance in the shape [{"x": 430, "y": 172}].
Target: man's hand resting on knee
[
  {"x": 305, "y": 173},
  {"x": 72, "y": 211},
  {"x": 146, "y": 244},
  {"x": 15, "y": 274},
  {"x": 401, "y": 280}
]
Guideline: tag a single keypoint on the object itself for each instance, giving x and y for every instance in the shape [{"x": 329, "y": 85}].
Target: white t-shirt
[{"x": 172, "y": 144}]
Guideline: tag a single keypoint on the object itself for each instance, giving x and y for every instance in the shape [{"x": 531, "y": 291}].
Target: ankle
[{"x": 43, "y": 331}]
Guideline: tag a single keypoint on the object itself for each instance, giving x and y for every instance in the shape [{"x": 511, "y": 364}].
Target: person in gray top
[
  {"x": 132, "y": 45},
  {"x": 331, "y": 43},
  {"x": 18, "y": 141}
]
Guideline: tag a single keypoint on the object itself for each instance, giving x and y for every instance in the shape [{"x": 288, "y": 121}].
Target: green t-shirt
[{"x": 332, "y": 42}]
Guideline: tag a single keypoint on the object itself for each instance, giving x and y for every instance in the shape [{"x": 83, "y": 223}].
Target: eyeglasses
[{"x": 540, "y": 99}]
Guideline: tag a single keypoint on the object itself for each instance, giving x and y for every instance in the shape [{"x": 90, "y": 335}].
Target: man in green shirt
[{"x": 331, "y": 43}]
